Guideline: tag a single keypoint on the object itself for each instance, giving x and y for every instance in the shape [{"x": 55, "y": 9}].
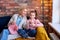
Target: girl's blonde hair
[{"x": 20, "y": 9}]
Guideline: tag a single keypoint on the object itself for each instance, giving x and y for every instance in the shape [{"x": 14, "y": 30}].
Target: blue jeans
[
  {"x": 25, "y": 33},
  {"x": 5, "y": 34}
]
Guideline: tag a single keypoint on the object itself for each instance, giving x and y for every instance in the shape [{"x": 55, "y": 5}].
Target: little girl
[{"x": 32, "y": 24}]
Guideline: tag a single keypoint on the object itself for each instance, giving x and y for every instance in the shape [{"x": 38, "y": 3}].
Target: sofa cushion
[{"x": 10, "y": 36}]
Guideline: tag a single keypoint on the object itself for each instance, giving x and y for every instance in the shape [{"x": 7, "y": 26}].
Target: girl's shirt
[{"x": 32, "y": 24}]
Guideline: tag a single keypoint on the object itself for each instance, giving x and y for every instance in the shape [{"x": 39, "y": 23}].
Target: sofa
[{"x": 41, "y": 33}]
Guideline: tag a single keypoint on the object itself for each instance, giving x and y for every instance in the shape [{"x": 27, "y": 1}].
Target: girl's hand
[
  {"x": 33, "y": 24},
  {"x": 15, "y": 28},
  {"x": 11, "y": 23}
]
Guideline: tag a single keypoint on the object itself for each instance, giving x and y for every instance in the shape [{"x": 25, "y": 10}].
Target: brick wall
[{"x": 8, "y": 7}]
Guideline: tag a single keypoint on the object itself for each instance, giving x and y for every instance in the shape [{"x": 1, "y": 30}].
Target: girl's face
[
  {"x": 32, "y": 15},
  {"x": 23, "y": 12}
]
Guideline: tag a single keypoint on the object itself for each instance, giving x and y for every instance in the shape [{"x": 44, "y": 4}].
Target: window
[{"x": 56, "y": 12}]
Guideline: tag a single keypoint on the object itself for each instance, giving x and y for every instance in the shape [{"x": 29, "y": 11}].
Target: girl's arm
[
  {"x": 27, "y": 25},
  {"x": 12, "y": 20},
  {"x": 38, "y": 23}
]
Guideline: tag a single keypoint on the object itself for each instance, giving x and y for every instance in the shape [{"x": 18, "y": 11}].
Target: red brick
[
  {"x": 6, "y": 4},
  {"x": 2, "y": 12},
  {"x": 8, "y": 13},
  {"x": 1, "y": 1},
  {"x": 13, "y": 4},
  {"x": 9, "y": 7}
]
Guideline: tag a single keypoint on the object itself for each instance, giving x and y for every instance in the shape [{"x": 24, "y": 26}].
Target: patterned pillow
[{"x": 13, "y": 29}]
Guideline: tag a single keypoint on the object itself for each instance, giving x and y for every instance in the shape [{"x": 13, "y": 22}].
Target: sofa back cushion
[{"x": 4, "y": 21}]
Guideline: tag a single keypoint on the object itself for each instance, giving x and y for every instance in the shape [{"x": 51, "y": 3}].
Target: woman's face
[{"x": 32, "y": 15}]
